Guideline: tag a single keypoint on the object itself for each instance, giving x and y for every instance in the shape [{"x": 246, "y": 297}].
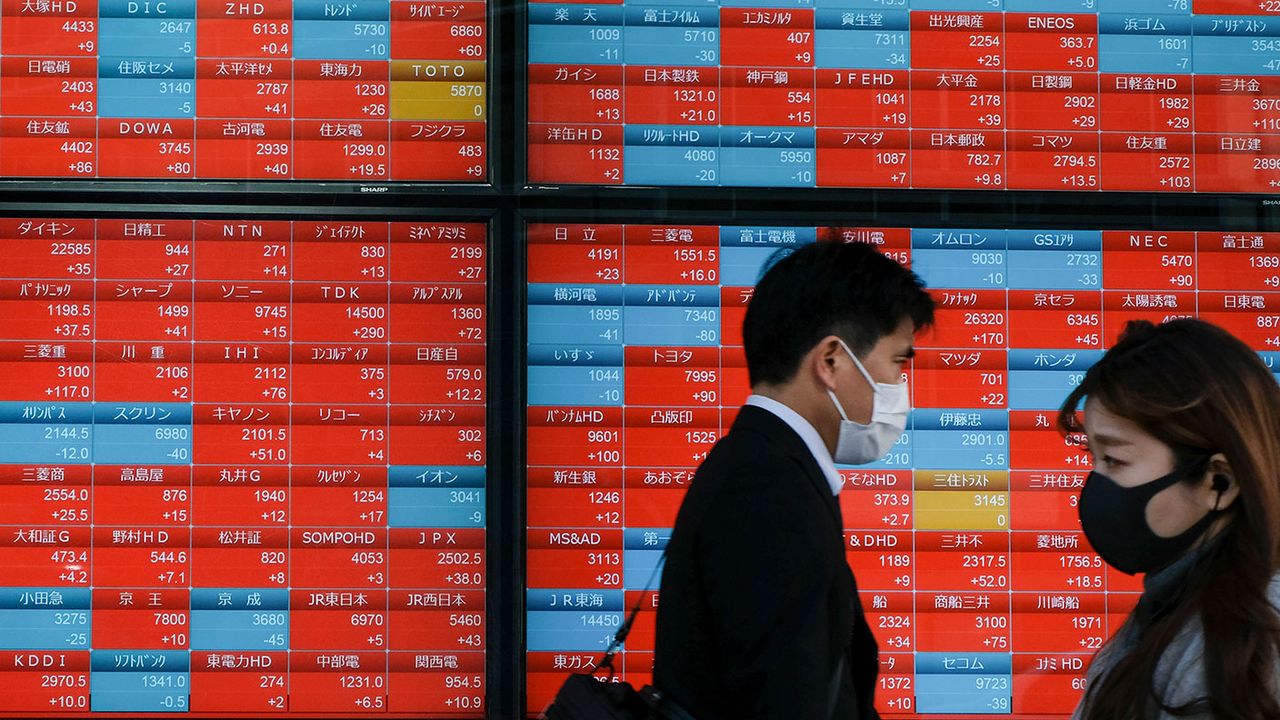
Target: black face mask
[{"x": 1114, "y": 518}]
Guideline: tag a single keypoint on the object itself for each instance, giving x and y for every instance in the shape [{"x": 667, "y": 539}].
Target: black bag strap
[
  {"x": 655, "y": 697},
  {"x": 620, "y": 637}
]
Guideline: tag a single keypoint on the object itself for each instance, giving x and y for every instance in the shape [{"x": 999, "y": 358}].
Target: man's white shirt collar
[{"x": 807, "y": 433}]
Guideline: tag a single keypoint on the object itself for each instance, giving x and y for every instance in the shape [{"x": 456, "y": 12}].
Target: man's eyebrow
[{"x": 909, "y": 353}]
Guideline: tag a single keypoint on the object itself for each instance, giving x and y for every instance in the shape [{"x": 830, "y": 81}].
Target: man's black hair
[{"x": 826, "y": 288}]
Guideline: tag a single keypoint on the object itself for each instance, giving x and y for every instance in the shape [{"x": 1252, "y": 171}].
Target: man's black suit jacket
[{"x": 757, "y": 602}]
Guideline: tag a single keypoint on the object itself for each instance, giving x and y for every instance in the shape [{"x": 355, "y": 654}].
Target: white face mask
[{"x": 858, "y": 443}]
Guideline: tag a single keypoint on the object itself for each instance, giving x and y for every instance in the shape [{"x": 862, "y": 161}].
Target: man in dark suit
[{"x": 759, "y": 616}]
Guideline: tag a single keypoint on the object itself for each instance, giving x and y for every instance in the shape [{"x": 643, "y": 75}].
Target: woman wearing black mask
[{"x": 1183, "y": 421}]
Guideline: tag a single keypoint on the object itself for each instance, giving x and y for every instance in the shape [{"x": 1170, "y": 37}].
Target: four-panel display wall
[{"x": 408, "y": 439}]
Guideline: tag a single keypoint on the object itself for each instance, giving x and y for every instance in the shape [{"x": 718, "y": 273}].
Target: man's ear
[{"x": 824, "y": 359}]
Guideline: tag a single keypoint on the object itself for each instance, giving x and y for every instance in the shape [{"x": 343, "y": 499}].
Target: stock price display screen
[
  {"x": 356, "y": 90},
  {"x": 1084, "y": 95},
  {"x": 976, "y": 578},
  {"x": 242, "y": 467}
]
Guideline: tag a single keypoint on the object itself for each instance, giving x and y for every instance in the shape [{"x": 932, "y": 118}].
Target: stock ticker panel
[
  {"x": 977, "y": 580},
  {"x": 242, "y": 466},
  {"x": 1085, "y": 95},
  {"x": 356, "y": 90}
]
